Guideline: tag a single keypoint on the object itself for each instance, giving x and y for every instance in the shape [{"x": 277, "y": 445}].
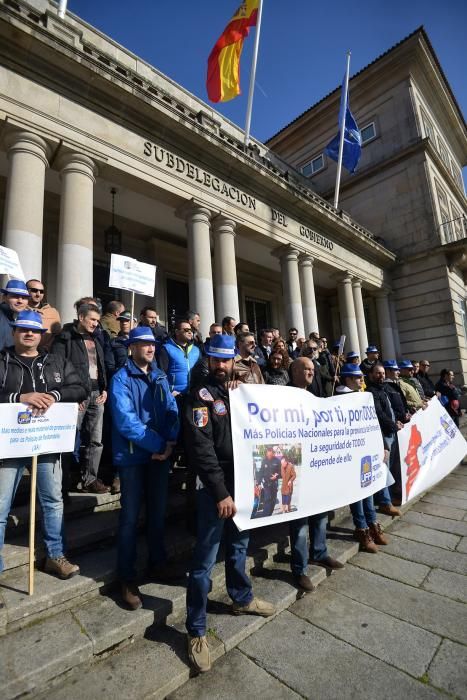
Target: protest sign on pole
[
  {"x": 296, "y": 455},
  {"x": 25, "y": 435},
  {"x": 10, "y": 264},
  {"x": 132, "y": 275},
  {"x": 430, "y": 447}
]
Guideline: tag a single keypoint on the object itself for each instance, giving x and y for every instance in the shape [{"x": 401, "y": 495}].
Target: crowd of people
[{"x": 148, "y": 397}]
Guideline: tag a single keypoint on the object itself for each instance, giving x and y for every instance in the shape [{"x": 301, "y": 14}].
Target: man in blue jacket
[{"x": 144, "y": 430}]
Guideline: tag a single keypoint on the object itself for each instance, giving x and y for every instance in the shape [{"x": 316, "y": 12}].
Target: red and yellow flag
[{"x": 223, "y": 81}]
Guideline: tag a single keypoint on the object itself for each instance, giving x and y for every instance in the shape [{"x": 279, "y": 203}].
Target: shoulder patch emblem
[
  {"x": 200, "y": 416},
  {"x": 219, "y": 408},
  {"x": 57, "y": 377},
  {"x": 205, "y": 395}
]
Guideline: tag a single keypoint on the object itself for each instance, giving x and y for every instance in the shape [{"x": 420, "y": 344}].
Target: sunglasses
[{"x": 34, "y": 290}]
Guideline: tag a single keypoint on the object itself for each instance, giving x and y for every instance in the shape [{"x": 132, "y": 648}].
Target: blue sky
[{"x": 302, "y": 48}]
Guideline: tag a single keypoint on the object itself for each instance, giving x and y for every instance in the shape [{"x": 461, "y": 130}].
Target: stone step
[{"x": 160, "y": 657}]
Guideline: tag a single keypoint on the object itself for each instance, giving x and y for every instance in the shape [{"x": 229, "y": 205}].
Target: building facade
[
  {"x": 232, "y": 231},
  {"x": 408, "y": 190}
]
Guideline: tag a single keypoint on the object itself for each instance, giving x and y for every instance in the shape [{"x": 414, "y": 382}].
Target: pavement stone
[
  {"x": 444, "y": 490},
  {"x": 450, "y": 501},
  {"x": 235, "y": 677},
  {"x": 440, "y": 510},
  {"x": 427, "y": 554},
  {"x": 426, "y": 535},
  {"x": 455, "y": 527},
  {"x": 392, "y": 567},
  {"x": 32, "y": 656},
  {"x": 422, "y": 608},
  {"x": 317, "y": 665},
  {"x": 399, "y": 643},
  {"x": 462, "y": 546},
  {"x": 455, "y": 481},
  {"x": 449, "y": 669},
  {"x": 447, "y": 583}
]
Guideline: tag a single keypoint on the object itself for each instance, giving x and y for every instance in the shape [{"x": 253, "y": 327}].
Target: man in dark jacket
[
  {"x": 208, "y": 438},
  {"x": 372, "y": 357},
  {"x": 144, "y": 432},
  {"x": 15, "y": 299},
  {"x": 77, "y": 343},
  {"x": 402, "y": 415},
  {"x": 33, "y": 377},
  {"x": 422, "y": 376}
]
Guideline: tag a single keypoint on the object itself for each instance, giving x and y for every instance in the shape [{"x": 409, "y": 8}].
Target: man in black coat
[
  {"x": 37, "y": 379},
  {"x": 422, "y": 376}
]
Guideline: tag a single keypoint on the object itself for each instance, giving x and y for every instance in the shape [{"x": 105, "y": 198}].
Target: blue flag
[{"x": 352, "y": 139}]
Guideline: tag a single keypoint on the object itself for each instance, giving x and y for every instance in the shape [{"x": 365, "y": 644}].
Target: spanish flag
[{"x": 223, "y": 81}]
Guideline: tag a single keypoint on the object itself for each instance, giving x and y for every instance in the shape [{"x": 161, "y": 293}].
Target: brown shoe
[
  {"x": 95, "y": 486},
  {"x": 254, "y": 607},
  {"x": 198, "y": 653},
  {"x": 389, "y": 509},
  {"x": 131, "y": 596},
  {"x": 115, "y": 488},
  {"x": 170, "y": 571},
  {"x": 377, "y": 534},
  {"x": 329, "y": 563},
  {"x": 363, "y": 537},
  {"x": 304, "y": 582},
  {"x": 60, "y": 567}
]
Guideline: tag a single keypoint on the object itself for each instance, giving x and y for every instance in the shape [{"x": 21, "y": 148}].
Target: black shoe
[
  {"x": 131, "y": 597},
  {"x": 304, "y": 582},
  {"x": 96, "y": 486}
]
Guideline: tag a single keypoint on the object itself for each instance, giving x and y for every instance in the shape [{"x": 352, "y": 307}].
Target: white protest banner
[
  {"x": 9, "y": 264},
  {"x": 296, "y": 454},
  {"x": 132, "y": 275},
  {"x": 430, "y": 447},
  {"x": 23, "y": 435}
]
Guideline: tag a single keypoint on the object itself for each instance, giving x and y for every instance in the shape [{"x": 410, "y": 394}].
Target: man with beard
[
  {"x": 208, "y": 439},
  {"x": 15, "y": 299}
]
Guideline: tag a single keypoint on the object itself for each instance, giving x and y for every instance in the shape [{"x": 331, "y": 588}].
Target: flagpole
[
  {"x": 253, "y": 75},
  {"x": 342, "y": 132}
]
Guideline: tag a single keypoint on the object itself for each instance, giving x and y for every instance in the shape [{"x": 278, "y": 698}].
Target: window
[
  {"x": 445, "y": 216},
  {"x": 368, "y": 132},
  {"x": 457, "y": 223},
  {"x": 456, "y": 173},
  {"x": 463, "y": 305},
  {"x": 428, "y": 126},
  {"x": 313, "y": 166},
  {"x": 443, "y": 152}
]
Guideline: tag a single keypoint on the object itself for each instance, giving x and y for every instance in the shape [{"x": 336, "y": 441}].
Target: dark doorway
[
  {"x": 258, "y": 314},
  {"x": 102, "y": 291},
  {"x": 177, "y": 301}
]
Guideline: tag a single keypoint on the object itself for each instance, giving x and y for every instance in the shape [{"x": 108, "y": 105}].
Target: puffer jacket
[
  {"x": 70, "y": 344},
  {"x": 177, "y": 362},
  {"x": 144, "y": 414}
]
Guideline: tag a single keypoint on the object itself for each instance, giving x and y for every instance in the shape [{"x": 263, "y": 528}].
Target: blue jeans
[
  {"x": 316, "y": 524},
  {"x": 90, "y": 422},
  {"x": 49, "y": 491},
  {"x": 363, "y": 513},
  {"x": 210, "y": 529},
  {"x": 138, "y": 482},
  {"x": 382, "y": 497}
]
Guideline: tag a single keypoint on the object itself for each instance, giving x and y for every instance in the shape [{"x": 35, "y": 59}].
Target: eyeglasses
[
  {"x": 187, "y": 330},
  {"x": 34, "y": 290},
  {"x": 293, "y": 333}
]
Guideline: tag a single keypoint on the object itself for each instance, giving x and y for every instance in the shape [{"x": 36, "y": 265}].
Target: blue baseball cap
[
  {"x": 16, "y": 287},
  {"x": 351, "y": 370},
  {"x": 371, "y": 348},
  {"x": 221, "y": 346},
  {"x": 390, "y": 364},
  {"x": 350, "y": 355},
  {"x": 405, "y": 364},
  {"x": 30, "y": 321},
  {"x": 140, "y": 334}
]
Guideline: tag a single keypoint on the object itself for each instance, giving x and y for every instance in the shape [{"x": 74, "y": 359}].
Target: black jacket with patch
[
  {"x": 70, "y": 344},
  {"x": 208, "y": 438}
]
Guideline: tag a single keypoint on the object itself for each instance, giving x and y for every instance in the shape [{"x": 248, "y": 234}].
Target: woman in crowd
[
  {"x": 281, "y": 346},
  {"x": 276, "y": 371},
  {"x": 450, "y": 394}
]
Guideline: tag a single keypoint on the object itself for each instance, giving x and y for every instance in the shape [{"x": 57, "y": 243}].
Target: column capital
[
  {"x": 286, "y": 253},
  {"x": 224, "y": 224},
  {"x": 356, "y": 282},
  {"x": 194, "y": 210},
  {"x": 306, "y": 260},
  {"x": 344, "y": 277},
  {"x": 18, "y": 141},
  {"x": 77, "y": 163}
]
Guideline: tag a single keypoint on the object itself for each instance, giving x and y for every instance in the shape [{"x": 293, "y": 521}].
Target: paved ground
[{"x": 390, "y": 625}]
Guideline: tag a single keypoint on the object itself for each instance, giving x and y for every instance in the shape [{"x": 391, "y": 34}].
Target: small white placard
[
  {"x": 9, "y": 264},
  {"x": 23, "y": 435},
  {"x": 132, "y": 275}
]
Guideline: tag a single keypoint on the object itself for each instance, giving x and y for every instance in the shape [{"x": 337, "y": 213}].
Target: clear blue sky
[{"x": 302, "y": 49}]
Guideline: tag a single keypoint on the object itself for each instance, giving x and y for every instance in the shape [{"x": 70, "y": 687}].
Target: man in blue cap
[
  {"x": 30, "y": 375},
  {"x": 15, "y": 299},
  {"x": 402, "y": 414},
  {"x": 352, "y": 357},
  {"x": 372, "y": 357},
  {"x": 144, "y": 431},
  {"x": 408, "y": 386},
  {"x": 208, "y": 442}
]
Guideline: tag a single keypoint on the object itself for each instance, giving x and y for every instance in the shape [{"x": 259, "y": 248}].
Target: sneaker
[
  {"x": 328, "y": 562},
  {"x": 115, "y": 488},
  {"x": 363, "y": 537},
  {"x": 389, "y": 509},
  {"x": 304, "y": 582},
  {"x": 96, "y": 486},
  {"x": 254, "y": 607},
  {"x": 60, "y": 567},
  {"x": 377, "y": 535},
  {"x": 131, "y": 597},
  {"x": 199, "y": 654}
]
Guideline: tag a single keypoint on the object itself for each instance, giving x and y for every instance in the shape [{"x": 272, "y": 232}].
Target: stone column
[
  {"x": 291, "y": 287},
  {"x": 24, "y": 203},
  {"x": 347, "y": 313},
  {"x": 310, "y": 315},
  {"x": 386, "y": 333},
  {"x": 395, "y": 328},
  {"x": 201, "y": 294},
  {"x": 360, "y": 316},
  {"x": 225, "y": 269},
  {"x": 75, "y": 242}
]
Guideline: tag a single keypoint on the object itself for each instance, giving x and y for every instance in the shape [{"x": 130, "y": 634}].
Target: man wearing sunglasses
[
  {"x": 15, "y": 299},
  {"x": 50, "y": 316}
]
